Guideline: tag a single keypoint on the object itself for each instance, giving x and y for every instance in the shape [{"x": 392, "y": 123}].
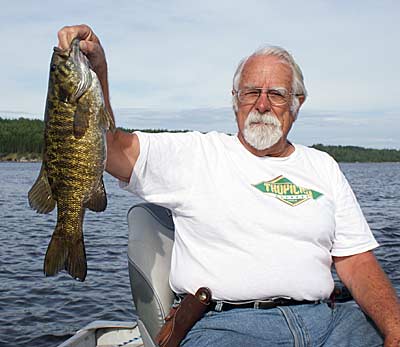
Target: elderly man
[{"x": 258, "y": 219}]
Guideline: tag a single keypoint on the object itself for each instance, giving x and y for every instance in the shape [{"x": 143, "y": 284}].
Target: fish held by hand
[{"x": 74, "y": 157}]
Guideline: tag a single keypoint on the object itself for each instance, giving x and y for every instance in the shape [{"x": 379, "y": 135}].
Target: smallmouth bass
[{"x": 74, "y": 158}]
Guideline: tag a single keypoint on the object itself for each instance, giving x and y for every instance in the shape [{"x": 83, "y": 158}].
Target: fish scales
[{"x": 73, "y": 159}]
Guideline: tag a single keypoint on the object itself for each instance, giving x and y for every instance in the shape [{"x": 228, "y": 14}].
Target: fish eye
[{"x": 53, "y": 67}]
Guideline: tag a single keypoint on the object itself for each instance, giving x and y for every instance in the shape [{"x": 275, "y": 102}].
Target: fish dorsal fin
[
  {"x": 81, "y": 119},
  {"x": 98, "y": 198},
  {"x": 40, "y": 195},
  {"x": 106, "y": 120}
]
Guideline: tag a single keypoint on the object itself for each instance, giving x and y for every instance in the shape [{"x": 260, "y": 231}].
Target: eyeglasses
[{"x": 276, "y": 96}]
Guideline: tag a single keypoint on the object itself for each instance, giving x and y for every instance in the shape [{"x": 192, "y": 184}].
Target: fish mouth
[
  {"x": 64, "y": 53},
  {"x": 80, "y": 66}
]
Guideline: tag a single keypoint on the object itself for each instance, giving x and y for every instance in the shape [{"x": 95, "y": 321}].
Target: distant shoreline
[
  {"x": 21, "y": 157},
  {"x": 7, "y": 159},
  {"x": 20, "y": 161},
  {"x": 21, "y": 140}
]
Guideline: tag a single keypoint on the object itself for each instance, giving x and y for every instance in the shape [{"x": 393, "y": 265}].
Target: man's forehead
[{"x": 263, "y": 68}]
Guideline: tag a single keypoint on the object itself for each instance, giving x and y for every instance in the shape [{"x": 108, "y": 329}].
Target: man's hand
[
  {"x": 90, "y": 46},
  {"x": 392, "y": 340},
  {"x": 370, "y": 287}
]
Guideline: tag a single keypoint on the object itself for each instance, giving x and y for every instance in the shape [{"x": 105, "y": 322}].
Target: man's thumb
[{"x": 83, "y": 46}]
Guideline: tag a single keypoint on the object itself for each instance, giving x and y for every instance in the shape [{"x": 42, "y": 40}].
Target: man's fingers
[
  {"x": 392, "y": 341},
  {"x": 63, "y": 39},
  {"x": 89, "y": 48},
  {"x": 68, "y": 33}
]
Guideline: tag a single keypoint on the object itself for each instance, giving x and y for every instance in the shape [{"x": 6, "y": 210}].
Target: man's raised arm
[{"x": 122, "y": 147}]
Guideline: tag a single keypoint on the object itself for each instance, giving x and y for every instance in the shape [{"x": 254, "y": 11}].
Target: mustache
[{"x": 266, "y": 118}]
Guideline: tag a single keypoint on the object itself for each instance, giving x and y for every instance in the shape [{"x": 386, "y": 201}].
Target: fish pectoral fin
[
  {"x": 98, "y": 199},
  {"x": 81, "y": 119},
  {"x": 40, "y": 196},
  {"x": 106, "y": 120}
]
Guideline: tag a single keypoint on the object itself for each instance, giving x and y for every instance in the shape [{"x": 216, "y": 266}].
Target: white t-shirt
[{"x": 250, "y": 227}]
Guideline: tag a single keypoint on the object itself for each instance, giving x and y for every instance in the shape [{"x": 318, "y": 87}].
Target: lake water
[{"x": 44, "y": 311}]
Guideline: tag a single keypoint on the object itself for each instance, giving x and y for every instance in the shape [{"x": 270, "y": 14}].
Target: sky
[{"x": 171, "y": 62}]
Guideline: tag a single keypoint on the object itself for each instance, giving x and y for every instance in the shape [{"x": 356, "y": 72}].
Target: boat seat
[{"x": 151, "y": 237}]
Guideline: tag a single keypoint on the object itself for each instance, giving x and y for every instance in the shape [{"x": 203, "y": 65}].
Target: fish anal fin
[
  {"x": 98, "y": 198},
  {"x": 40, "y": 195},
  {"x": 81, "y": 119}
]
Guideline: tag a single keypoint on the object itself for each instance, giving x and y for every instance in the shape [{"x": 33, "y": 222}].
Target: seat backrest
[{"x": 151, "y": 237}]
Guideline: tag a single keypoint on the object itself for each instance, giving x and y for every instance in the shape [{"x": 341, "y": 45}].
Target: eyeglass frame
[{"x": 261, "y": 90}]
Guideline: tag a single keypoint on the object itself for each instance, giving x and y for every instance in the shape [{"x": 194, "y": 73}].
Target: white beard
[{"x": 265, "y": 133}]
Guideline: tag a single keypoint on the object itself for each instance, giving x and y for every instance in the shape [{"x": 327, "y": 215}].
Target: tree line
[
  {"x": 21, "y": 136},
  {"x": 350, "y": 154},
  {"x": 24, "y": 138}
]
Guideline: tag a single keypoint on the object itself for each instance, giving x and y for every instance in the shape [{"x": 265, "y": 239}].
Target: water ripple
[{"x": 44, "y": 311}]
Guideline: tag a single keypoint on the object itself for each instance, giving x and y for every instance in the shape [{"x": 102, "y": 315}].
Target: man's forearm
[
  {"x": 103, "y": 78},
  {"x": 122, "y": 147},
  {"x": 104, "y": 86},
  {"x": 371, "y": 289}
]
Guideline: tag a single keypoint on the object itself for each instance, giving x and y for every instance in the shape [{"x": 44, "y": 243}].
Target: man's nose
[{"x": 263, "y": 104}]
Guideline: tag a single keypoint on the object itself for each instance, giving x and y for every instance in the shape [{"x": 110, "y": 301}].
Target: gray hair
[{"x": 298, "y": 86}]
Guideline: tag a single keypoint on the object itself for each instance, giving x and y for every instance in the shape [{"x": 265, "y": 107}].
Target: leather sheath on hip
[{"x": 181, "y": 318}]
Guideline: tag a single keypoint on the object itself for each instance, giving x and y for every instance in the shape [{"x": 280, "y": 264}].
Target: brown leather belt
[{"x": 258, "y": 304}]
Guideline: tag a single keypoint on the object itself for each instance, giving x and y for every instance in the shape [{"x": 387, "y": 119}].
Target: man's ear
[
  {"x": 234, "y": 101},
  {"x": 295, "y": 107},
  {"x": 301, "y": 98}
]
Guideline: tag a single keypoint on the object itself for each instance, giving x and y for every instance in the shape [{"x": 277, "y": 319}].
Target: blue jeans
[{"x": 287, "y": 326}]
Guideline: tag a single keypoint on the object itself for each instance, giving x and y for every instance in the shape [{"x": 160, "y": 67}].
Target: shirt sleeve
[
  {"x": 163, "y": 171},
  {"x": 352, "y": 233}
]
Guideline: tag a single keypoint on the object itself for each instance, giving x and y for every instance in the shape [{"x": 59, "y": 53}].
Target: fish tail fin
[
  {"x": 76, "y": 261},
  {"x": 66, "y": 253}
]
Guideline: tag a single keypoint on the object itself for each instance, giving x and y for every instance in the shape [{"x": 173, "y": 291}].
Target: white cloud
[{"x": 182, "y": 54}]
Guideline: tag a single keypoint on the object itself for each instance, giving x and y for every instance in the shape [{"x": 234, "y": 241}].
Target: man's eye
[
  {"x": 274, "y": 92},
  {"x": 251, "y": 93}
]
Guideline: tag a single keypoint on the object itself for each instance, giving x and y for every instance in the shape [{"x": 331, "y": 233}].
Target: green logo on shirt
[{"x": 284, "y": 190}]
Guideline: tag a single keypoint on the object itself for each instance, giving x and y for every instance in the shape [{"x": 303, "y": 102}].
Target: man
[{"x": 258, "y": 218}]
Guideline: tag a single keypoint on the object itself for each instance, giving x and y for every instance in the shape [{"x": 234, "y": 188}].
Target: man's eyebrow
[
  {"x": 253, "y": 86},
  {"x": 250, "y": 85},
  {"x": 278, "y": 87}
]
